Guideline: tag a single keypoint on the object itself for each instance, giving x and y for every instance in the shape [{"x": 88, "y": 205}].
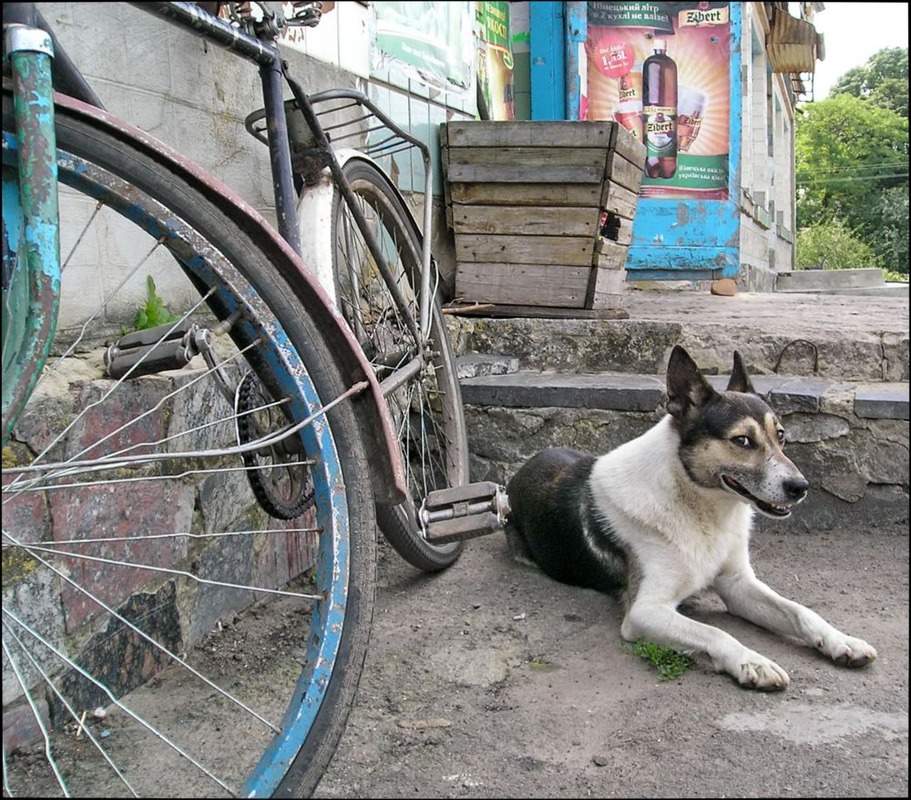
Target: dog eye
[
  {"x": 781, "y": 437},
  {"x": 743, "y": 441}
]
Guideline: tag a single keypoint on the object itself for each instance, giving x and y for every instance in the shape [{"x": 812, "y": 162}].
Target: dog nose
[{"x": 796, "y": 488}]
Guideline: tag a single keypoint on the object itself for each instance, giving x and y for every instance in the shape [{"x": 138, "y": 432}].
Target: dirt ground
[{"x": 491, "y": 680}]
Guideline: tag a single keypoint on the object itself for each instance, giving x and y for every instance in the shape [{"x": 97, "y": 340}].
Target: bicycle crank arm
[{"x": 463, "y": 512}]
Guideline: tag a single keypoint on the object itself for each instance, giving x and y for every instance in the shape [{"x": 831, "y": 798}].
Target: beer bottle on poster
[{"x": 659, "y": 112}]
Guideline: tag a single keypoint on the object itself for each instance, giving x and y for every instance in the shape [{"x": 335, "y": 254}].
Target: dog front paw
[
  {"x": 848, "y": 651},
  {"x": 758, "y": 672}
]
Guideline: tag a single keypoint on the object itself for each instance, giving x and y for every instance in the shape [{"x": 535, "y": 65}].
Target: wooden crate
[{"x": 542, "y": 211}]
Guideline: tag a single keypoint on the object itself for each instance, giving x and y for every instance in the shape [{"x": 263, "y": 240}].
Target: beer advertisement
[
  {"x": 495, "y": 60},
  {"x": 662, "y": 70}
]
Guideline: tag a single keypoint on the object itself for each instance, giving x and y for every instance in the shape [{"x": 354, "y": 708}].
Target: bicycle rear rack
[{"x": 349, "y": 119}]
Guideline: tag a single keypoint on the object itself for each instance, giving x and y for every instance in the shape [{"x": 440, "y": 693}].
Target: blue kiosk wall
[{"x": 685, "y": 228}]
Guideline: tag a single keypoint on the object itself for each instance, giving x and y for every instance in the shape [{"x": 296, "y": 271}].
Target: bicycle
[{"x": 254, "y": 427}]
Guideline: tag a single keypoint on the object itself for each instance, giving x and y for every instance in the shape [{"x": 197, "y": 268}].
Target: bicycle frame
[
  {"x": 391, "y": 485},
  {"x": 272, "y": 72}
]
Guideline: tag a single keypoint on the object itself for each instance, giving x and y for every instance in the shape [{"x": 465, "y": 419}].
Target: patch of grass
[{"x": 669, "y": 663}]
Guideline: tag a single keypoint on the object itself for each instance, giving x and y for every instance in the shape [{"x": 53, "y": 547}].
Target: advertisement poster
[
  {"x": 662, "y": 70},
  {"x": 428, "y": 41},
  {"x": 495, "y": 61}
]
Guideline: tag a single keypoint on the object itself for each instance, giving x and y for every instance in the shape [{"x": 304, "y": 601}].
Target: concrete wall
[
  {"x": 767, "y": 164},
  {"x": 195, "y": 97}
]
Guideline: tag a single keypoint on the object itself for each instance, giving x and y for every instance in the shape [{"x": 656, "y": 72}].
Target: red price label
[{"x": 612, "y": 55}]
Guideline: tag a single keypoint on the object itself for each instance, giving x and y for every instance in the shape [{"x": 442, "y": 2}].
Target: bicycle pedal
[
  {"x": 152, "y": 350},
  {"x": 464, "y": 512}
]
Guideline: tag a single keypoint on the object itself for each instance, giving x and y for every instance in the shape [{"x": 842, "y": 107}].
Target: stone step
[
  {"x": 643, "y": 346},
  {"x": 856, "y": 338},
  {"x": 883, "y": 290},
  {"x": 815, "y": 280},
  {"x": 632, "y": 392}
]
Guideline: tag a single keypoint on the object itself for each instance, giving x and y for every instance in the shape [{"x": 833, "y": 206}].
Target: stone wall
[{"x": 174, "y": 607}]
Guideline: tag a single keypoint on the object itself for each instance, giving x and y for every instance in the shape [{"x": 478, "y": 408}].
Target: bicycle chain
[{"x": 286, "y": 469}]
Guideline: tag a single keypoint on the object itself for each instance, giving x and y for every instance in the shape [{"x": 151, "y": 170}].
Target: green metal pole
[{"x": 31, "y": 221}]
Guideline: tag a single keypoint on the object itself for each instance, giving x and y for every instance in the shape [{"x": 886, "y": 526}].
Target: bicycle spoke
[
  {"x": 143, "y": 573},
  {"x": 122, "y": 706},
  {"x": 384, "y": 311},
  {"x": 8, "y": 631}
]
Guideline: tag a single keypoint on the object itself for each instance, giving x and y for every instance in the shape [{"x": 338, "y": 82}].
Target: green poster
[{"x": 427, "y": 39}]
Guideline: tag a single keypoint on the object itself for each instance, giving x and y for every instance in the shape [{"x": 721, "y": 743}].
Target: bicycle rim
[
  {"x": 162, "y": 634},
  {"x": 427, "y": 410}
]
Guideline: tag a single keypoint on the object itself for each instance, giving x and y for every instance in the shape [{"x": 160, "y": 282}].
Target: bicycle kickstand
[{"x": 464, "y": 512}]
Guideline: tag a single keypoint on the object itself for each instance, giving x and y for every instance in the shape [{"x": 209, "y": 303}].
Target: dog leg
[
  {"x": 661, "y": 623},
  {"x": 748, "y": 597}
]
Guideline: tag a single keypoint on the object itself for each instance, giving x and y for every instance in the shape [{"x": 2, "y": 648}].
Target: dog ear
[
  {"x": 686, "y": 386},
  {"x": 740, "y": 381}
]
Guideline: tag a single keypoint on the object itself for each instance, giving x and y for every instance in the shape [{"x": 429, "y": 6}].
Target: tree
[
  {"x": 893, "y": 211},
  {"x": 883, "y": 81},
  {"x": 849, "y": 154}
]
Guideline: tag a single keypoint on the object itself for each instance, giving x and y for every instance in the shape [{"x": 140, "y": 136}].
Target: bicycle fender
[
  {"x": 314, "y": 215},
  {"x": 389, "y": 482}
]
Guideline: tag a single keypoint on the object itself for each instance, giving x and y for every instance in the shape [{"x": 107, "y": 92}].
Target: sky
[{"x": 854, "y": 32}]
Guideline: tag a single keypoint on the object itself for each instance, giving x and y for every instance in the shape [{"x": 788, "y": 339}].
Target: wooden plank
[
  {"x": 526, "y": 194},
  {"x": 629, "y": 147},
  {"x": 528, "y": 156},
  {"x": 619, "y": 200},
  {"x": 610, "y": 255},
  {"x": 461, "y": 133},
  {"x": 550, "y": 250},
  {"x": 616, "y": 229},
  {"x": 606, "y": 289},
  {"x": 520, "y": 173},
  {"x": 530, "y": 220},
  {"x": 623, "y": 172},
  {"x": 523, "y": 284},
  {"x": 605, "y": 302}
]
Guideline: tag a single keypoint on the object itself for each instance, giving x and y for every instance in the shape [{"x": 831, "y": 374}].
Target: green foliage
[
  {"x": 847, "y": 152},
  {"x": 832, "y": 245},
  {"x": 154, "y": 312},
  {"x": 852, "y": 169},
  {"x": 669, "y": 663},
  {"x": 883, "y": 80},
  {"x": 891, "y": 243}
]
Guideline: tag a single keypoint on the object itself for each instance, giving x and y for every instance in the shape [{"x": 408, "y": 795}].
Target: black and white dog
[{"x": 668, "y": 514}]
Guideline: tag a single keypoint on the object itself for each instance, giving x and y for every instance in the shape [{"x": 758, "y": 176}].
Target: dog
[{"x": 669, "y": 514}]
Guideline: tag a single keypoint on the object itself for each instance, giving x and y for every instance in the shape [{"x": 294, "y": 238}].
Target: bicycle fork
[{"x": 31, "y": 251}]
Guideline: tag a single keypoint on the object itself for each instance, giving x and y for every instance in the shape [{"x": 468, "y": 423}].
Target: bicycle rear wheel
[
  {"x": 143, "y": 577},
  {"x": 427, "y": 408}
]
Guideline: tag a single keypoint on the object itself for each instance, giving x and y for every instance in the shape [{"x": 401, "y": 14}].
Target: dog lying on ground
[{"x": 668, "y": 514}]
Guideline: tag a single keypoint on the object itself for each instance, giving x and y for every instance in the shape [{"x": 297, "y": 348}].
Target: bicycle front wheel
[
  {"x": 188, "y": 540},
  {"x": 426, "y": 408}
]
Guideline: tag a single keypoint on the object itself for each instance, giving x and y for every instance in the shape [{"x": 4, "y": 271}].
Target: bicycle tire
[
  {"x": 286, "y": 351},
  {"x": 428, "y": 409}
]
